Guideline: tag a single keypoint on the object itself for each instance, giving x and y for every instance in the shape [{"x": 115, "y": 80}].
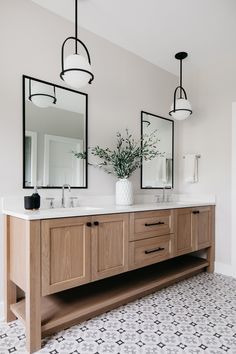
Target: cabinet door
[
  {"x": 184, "y": 237},
  {"x": 65, "y": 253},
  {"x": 109, "y": 245},
  {"x": 202, "y": 224}
]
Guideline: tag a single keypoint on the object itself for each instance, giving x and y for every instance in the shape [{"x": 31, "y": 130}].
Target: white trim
[
  {"x": 233, "y": 190},
  {"x": 78, "y": 142},
  {"x": 1, "y": 311},
  {"x": 34, "y": 137},
  {"x": 225, "y": 269}
]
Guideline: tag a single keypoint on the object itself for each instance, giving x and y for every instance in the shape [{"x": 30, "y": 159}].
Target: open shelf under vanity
[{"x": 75, "y": 305}]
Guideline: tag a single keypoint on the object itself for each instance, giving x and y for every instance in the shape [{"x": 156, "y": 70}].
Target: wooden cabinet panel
[
  {"x": 149, "y": 251},
  {"x": 202, "y": 226},
  {"x": 65, "y": 254},
  {"x": 184, "y": 240},
  {"x": 109, "y": 245},
  {"x": 193, "y": 229},
  {"x": 18, "y": 230},
  {"x": 150, "y": 223}
]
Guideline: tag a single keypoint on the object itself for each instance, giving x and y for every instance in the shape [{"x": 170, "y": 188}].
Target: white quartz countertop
[{"x": 97, "y": 210}]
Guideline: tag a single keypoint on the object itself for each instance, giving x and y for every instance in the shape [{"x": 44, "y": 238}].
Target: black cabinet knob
[
  {"x": 96, "y": 223},
  {"x": 89, "y": 224},
  {"x": 196, "y": 212}
]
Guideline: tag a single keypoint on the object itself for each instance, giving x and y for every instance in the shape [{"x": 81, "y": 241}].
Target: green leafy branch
[{"x": 127, "y": 156}]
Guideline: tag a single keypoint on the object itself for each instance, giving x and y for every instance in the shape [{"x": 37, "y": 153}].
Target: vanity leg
[
  {"x": 33, "y": 287},
  {"x": 211, "y": 259},
  {"x": 10, "y": 287}
]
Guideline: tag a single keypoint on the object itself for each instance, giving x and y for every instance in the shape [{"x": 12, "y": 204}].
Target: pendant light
[
  {"x": 181, "y": 107},
  {"x": 76, "y": 69},
  {"x": 42, "y": 95}
]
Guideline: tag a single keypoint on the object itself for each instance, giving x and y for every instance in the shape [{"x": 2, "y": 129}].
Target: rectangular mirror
[
  {"x": 158, "y": 172},
  {"x": 54, "y": 125}
]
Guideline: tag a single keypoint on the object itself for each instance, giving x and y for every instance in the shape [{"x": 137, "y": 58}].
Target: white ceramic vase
[{"x": 124, "y": 192}]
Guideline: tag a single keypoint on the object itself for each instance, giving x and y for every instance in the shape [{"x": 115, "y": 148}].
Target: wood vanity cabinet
[
  {"x": 151, "y": 237},
  {"x": 150, "y": 250},
  {"x": 74, "y": 268},
  {"x": 76, "y": 251},
  {"x": 148, "y": 224},
  {"x": 202, "y": 223},
  {"x": 193, "y": 229},
  {"x": 184, "y": 236},
  {"x": 65, "y": 255},
  {"x": 109, "y": 245}
]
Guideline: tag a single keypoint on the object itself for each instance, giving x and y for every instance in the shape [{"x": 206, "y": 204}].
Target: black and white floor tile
[{"x": 194, "y": 316}]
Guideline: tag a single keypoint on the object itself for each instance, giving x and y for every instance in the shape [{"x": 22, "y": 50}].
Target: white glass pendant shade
[
  {"x": 42, "y": 95},
  {"x": 42, "y": 101},
  {"x": 77, "y": 78},
  {"x": 183, "y": 109}
]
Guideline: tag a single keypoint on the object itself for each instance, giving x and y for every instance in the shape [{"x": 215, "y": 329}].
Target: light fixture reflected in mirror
[
  {"x": 146, "y": 123},
  {"x": 42, "y": 95},
  {"x": 51, "y": 134},
  {"x": 76, "y": 69},
  {"x": 181, "y": 107}
]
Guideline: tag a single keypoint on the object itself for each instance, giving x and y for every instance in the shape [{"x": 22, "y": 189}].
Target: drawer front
[
  {"x": 150, "y": 224},
  {"x": 149, "y": 251}
]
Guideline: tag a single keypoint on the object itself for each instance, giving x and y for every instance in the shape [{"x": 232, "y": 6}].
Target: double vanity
[
  {"x": 66, "y": 265},
  {"x": 73, "y": 264}
]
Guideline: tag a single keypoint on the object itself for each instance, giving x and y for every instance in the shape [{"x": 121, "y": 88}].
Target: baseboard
[
  {"x": 1, "y": 312},
  {"x": 225, "y": 269}
]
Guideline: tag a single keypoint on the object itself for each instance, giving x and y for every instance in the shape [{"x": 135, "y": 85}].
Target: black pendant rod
[
  {"x": 76, "y": 26},
  {"x": 180, "y": 78},
  {"x": 181, "y": 56}
]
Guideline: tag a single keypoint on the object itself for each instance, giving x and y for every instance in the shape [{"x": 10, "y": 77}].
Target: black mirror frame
[
  {"x": 24, "y": 77},
  {"x": 141, "y": 169}
]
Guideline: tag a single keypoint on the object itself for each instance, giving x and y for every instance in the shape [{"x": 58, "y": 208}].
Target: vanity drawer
[
  {"x": 150, "y": 224},
  {"x": 149, "y": 251}
]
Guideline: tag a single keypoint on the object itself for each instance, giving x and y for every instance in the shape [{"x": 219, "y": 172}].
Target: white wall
[
  {"x": 233, "y": 186},
  {"x": 208, "y": 132},
  {"x": 124, "y": 84}
]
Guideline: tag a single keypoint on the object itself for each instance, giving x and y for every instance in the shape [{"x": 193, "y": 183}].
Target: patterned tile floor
[{"x": 197, "y": 315}]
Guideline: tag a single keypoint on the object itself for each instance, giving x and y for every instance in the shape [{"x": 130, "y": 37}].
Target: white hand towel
[{"x": 190, "y": 168}]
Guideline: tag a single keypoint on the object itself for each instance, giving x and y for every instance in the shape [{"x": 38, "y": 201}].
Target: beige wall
[{"x": 124, "y": 84}]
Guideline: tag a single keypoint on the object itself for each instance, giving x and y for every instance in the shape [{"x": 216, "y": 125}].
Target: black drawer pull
[
  {"x": 96, "y": 223},
  {"x": 196, "y": 212},
  {"x": 155, "y": 250},
  {"x": 89, "y": 224},
  {"x": 156, "y": 223}
]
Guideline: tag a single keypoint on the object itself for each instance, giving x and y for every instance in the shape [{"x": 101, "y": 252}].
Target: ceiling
[{"x": 157, "y": 29}]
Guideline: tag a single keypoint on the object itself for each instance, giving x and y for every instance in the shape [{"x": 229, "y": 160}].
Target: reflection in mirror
[
  {"x": 55, "y": 125},
  {"x": 158, "y": 172}
]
